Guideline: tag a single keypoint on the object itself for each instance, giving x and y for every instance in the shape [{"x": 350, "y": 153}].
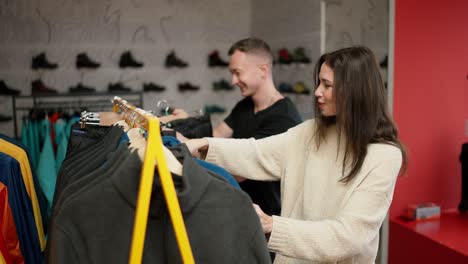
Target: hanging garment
[
  {"x": 20, "y": 204},
  {"x": 87, "y": 159},
  {"x": 61, "y": 140},
  {"x": 47, "y": 168},
  {"x": 9, "y": 241},
  {"x": 221, "y": 222},
  {"x": 29, "y": 182}
]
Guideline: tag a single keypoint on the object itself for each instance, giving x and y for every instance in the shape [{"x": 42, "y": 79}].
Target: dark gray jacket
[{"x": 96, "y": 226}]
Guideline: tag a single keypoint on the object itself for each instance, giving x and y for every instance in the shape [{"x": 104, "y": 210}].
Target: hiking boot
[
  {"x": 83, "y": 61},
  {"x": 39, "y": 88},
  {"x": 173, "y": 61},
  {"x": 40, "y": 62},
  {"x": 215, "y": 61},
  {"x": 127, "y": 61},
  {"x": 5, "y": 90}
]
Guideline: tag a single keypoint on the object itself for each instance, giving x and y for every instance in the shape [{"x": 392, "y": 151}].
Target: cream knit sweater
[{"x": 322, "y": 220}]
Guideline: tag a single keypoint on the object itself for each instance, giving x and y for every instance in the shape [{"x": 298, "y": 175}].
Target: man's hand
[
  {"x": 179, "y": 113},
  {"x": 265, "y": 220}
]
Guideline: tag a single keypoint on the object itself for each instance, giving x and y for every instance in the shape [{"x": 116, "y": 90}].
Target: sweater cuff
[
  {"x": 211, "y": 155},
  {"x": 279, "y": 234}
]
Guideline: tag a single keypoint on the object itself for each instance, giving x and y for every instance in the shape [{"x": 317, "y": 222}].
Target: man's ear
[{"x": 264, "y": 67}]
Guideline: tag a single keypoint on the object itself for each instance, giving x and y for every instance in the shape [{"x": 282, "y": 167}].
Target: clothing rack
[
  {"x": 137, "y": 117},
  {"x": 70, "y": 101}
]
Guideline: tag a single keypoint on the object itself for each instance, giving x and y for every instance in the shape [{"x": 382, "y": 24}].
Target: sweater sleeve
[
  {"x": 249, "y": 158},
  {"x": 347, "y": 234}
]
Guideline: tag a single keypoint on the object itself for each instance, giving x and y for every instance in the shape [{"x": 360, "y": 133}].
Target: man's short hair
[{"x": 252, "y": 46}]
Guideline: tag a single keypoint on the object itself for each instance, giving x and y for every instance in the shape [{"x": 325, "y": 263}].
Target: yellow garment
[
  {"x": 20, "y": 155},
  {"x": 2, "y": 259}
]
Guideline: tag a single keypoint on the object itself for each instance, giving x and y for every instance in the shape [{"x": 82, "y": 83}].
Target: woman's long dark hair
[{"x": 362, "y": 115}]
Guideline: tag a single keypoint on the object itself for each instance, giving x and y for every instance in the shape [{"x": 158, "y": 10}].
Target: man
[{"x": 263, "y": 112}]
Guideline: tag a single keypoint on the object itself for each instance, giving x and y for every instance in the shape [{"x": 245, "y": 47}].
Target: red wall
[{"x": 430, "y": 98}]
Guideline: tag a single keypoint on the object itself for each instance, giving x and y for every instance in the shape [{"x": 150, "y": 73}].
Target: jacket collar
[{"x": 190, "y": 187}]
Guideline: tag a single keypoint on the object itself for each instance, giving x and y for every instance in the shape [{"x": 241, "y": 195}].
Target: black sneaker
[
  {"x": 183, "y": 87},
  {"x": 5, "y": 90},
  {"x": 118, "y": 87},
  {"x": 80, "y": 88},
  {"x": 40, "y": 62},
  {"x": 39, "y": 88},
  {"x": 151, "y": 87},
  {"x": 222, "y": 85},
  {"x": 215, "y": 61},
  {"x": 127, "y": 60},
  {"x": 83, "y": 61},
  {"x": 173, "y": 61},
  {"x": 4, "y": 118}
]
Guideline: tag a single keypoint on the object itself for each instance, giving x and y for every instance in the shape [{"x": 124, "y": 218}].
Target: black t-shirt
[{"x": 276, "y": 119}]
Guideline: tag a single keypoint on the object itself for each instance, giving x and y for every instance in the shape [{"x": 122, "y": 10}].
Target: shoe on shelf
[
  {"x": 40, "y": 62},
  {"x": 299, "y": 56},
  {"x": 127, "y": 61},
  {"x": 214, "y": 109},
  {"x": 118, "y": 87},
  {"x": 83, "y": 61},
  {"x": 39, "y": 88},
  {"x": 284, "y": 56},
  {"x": 300, "y": 88},
  {"x": 222, "y": 85},
  {"x": 173, "y": 61},
  {"x": 183, "y": 87},
  {"x": 80, "y": 88},
  {"x": 5, "y": 90},
  {"x": 285, "y": 87},
  {"x": 4, "y": 118},
  {"x": 215, "y": 61},
  {"x": 152, "y": 87}
]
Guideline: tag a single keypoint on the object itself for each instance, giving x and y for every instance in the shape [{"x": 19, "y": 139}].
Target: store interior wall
[
  {"x": 431, "y": 110},
  {"x": 430, "y": 99},
  {"x": 151, "y": 29}
]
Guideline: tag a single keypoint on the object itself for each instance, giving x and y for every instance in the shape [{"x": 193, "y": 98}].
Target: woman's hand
[
  {"x": 198, "y": 147},
  {"x": 265, "y": 220}
]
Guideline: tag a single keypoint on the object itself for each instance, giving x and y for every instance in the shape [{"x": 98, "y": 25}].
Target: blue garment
[
  {"x": 40, "y": 195},
  {"x": 172, "y": 141},
  {"x": 46, "y": 169},
  {"x": 218, "y": 170},
  {"x": 21, "y": 208},
  {"x": 24, "y": 135},
  {"x": 33, "y": 147}
]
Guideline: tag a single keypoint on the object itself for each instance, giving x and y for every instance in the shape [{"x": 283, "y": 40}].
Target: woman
[{"x": 337, "y": 171}]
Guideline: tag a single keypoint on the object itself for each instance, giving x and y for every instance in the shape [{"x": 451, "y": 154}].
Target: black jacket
[{"x": 96, "y": 226}]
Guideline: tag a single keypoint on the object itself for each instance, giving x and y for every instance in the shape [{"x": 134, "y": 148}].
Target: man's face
[{"x": 246, "y": 72}]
